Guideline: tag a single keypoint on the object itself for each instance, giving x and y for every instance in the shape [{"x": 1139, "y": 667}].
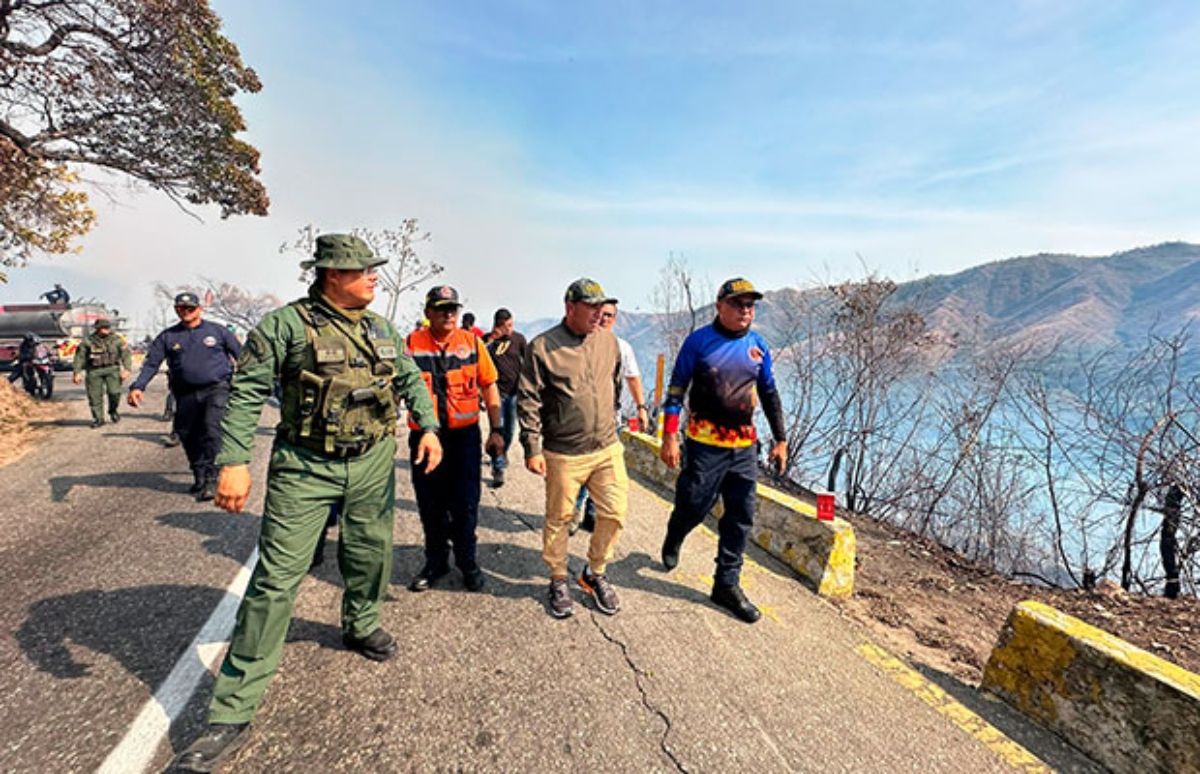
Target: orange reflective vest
[{"x": 454, "y": 371}]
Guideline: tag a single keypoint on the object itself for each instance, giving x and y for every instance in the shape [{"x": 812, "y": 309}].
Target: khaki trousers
[{"x": 608, "y": 484}]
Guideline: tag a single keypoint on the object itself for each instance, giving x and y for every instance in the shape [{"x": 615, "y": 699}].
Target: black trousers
[
  {"x": 198, "y": 415},
  {"x": 710, "y": 472},
  {"x": 448, "y": 498}
]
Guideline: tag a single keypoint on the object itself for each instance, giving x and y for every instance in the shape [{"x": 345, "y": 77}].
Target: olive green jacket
[
  {"x": 567, "y": 397},
  {"x": 95, "y": 343},
  {"x": 275, "y": 350}
]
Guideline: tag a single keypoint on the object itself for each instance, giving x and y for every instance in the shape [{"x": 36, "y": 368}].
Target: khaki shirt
[{"x": 567, "y": 397}]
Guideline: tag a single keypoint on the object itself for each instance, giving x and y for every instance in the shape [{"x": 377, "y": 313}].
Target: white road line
[{"x": 141, "y": 741}]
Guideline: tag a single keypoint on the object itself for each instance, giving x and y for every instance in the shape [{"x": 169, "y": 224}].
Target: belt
[{"x": 341, "y": 449}]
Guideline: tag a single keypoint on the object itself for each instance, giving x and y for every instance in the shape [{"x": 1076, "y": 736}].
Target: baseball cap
[
  {"x": 737, "y": 287},
  {"x": 187, "y": 299},
  {"x": 587, "y": 291},
  {"x": 441, "y": 296}
]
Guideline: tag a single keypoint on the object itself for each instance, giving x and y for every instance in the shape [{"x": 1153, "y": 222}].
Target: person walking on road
[
  {"x": 632, "y": 405},
  {"x": 507, "y": 348},
  {"x": 459, "y": 374},
  {"x": 567, "y": 403},
  {"x": 341, "y": 370},
  {"x": 719, "y": 369},
  {"x": 105, "y": 361},
  {"x": 200, "y": 357}
]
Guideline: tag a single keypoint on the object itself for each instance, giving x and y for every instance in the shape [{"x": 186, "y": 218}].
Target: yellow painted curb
[
  {"x": 821, "y": 551},
  {"x": 987, "y": 734},
  {"x": 1129, "y": 709}
]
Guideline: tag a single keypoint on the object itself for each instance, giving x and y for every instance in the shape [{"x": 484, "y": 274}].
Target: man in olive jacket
[
  {"x": 567, "y": 405},
  {"x": 341, "y": 370},
  {"x": 105, "y": 361}
]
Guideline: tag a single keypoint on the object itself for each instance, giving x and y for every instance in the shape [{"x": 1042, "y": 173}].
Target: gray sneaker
[
  {"x": 601, "y": 590},
  {"x": 561, "y": 605}
]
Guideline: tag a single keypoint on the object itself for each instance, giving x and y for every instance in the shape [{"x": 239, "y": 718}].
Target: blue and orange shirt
[{"x": 723, "y": 375}]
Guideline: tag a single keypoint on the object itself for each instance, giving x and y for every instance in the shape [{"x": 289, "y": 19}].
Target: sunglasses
[
  {"x": 742, "y": 305},
  {"x": 607, "y": 315},
  {"x": 183, "y": 308}
]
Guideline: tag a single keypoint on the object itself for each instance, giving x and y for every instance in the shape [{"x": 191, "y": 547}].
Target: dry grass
[{"x": 22, "y": 421}]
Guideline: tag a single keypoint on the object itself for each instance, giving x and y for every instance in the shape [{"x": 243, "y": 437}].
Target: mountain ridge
[{"x": 1086, "y": 303}]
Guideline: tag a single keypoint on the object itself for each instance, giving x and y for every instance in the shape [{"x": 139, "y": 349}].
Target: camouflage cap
[
  {"x": 587, "y": 291},
  {"x": 342, "y": 251},
  {"x": 102, "y": 323}
]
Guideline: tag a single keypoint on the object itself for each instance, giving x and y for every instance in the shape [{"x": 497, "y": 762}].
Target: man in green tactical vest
[
  {"x": 105, "y": 362},
  {"x": 341, "y": 372}
]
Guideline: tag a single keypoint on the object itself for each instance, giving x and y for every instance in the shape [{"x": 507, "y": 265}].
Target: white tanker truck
[{"x": 60, "y": 327}]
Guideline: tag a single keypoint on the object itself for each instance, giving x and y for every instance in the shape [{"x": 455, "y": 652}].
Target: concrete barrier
[
  {"x": 821, "y": 551},
  {"x": 1126, "y": 708}
]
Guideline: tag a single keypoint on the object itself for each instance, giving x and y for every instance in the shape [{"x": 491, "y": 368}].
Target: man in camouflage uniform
[
  {"x": 341, "y": 372},
  {"x": 106, "y": 362}
]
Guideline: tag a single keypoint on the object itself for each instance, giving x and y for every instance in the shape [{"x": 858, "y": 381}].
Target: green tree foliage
[{"x": 140, "y": 87}]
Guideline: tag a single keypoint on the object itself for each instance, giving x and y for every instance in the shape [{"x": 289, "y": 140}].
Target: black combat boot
[
  {"x": 377, "y": 646},
  {"x": 208, "y": 489},
  {"x": 218, "y": 742},
  {"x": 670, "y": 551},
  {"x": 733, "y": 599}
]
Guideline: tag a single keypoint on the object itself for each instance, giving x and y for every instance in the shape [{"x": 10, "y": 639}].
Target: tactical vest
[
  {"x": 342, "y": 401},
  {"x": 103, "y": 351},
  {"x": 450, "y": 375}
]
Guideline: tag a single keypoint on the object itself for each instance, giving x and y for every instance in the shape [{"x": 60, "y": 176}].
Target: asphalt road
[{"x": 108, "y": 570}]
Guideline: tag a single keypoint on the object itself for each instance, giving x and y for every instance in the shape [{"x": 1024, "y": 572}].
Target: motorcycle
[{"x": 37, "y": 375}]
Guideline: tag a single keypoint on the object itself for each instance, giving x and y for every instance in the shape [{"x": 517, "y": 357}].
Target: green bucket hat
[{"x": 342, "y": 251}]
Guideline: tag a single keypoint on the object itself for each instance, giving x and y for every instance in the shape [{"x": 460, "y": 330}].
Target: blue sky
[{"x": 789, "y": 142}]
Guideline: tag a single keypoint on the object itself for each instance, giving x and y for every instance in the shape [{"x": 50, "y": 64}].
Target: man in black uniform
[
  {"x": 507, "y": 348},
  {"x": 200, "y": 357}
]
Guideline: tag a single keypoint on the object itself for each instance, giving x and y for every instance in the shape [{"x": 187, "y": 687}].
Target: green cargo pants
[
  {"x": 302, "y": 485},
  {"x": 105, "y": 380}
]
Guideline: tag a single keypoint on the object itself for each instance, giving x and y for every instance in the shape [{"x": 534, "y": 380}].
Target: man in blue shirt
[
  {"x": 724, "y": 370},
  {"x": 200, "y": 357}
]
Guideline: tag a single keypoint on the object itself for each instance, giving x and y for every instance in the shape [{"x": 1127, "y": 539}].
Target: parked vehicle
[{"x": 37, "y": 374}]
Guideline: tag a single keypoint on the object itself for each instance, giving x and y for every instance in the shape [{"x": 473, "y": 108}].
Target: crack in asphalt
[{"x": 639, "y": 675}]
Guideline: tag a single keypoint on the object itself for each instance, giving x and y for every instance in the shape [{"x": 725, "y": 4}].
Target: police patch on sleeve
[{"x": 255, "y": 351}]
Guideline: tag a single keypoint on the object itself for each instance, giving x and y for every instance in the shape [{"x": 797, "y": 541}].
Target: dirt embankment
[
  {"x": 23, "y": 421},
  {"x": 925, "y": 601}
]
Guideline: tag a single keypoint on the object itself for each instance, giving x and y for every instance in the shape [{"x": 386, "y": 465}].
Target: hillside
[
  {"x": 1088, "y": 303},
  {"x": 1116, "y": 300}
]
